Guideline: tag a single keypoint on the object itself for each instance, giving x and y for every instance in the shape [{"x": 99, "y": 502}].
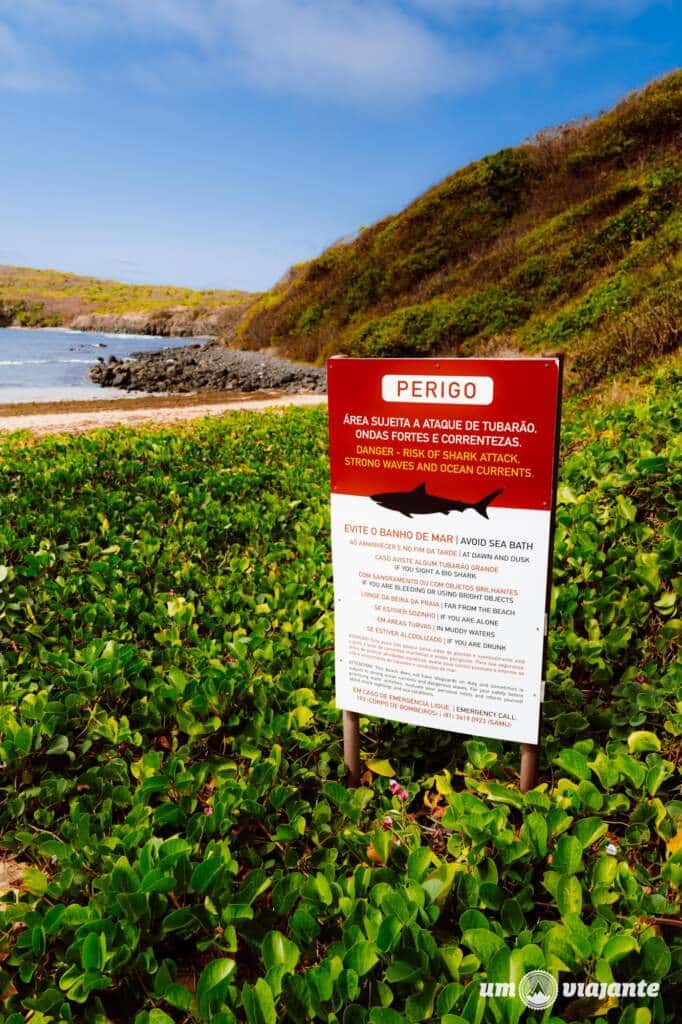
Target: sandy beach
[{"x": 77, "y": 417}]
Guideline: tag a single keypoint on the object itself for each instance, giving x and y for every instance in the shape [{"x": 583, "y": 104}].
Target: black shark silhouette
[{"x": 419, "y": 503}]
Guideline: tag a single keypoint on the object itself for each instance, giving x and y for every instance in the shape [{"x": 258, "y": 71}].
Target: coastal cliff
[
  {"x": 176, "y": 321},
  {"x": 50, "y": 298}
]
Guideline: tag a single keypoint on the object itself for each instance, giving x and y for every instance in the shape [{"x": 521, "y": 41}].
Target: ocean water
[{"x": 52, "y": 365}]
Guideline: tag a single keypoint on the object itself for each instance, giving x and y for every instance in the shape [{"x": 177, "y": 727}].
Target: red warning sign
[{"x": 442, "y": 479}]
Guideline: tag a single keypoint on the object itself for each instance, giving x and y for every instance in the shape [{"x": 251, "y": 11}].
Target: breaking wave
[{"x": 36, "y": 362}]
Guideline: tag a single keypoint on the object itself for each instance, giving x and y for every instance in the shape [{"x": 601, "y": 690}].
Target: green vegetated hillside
[
  {"x": 176, "y": 842},
  {"x": 50, "y": 298},
  {"x": 570, "y": 242}
]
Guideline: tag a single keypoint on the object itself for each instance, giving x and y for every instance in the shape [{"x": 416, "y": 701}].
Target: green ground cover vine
[{"x": 171, "y": 789}]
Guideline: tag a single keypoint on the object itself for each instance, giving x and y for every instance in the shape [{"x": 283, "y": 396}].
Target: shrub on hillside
[
  {"x": 441, "y": 325},
  {"x": 648, "y": 332}
]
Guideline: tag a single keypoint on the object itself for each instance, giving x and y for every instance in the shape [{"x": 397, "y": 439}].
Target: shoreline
[
  {"x": 165, "y": 385},
  {"x": 87, "y": 332},
  {"x": 161, "y": 401},
  {"x": 78, "y": 417}
]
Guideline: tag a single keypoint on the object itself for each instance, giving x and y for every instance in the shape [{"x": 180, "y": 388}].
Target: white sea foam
[{"x": 36, "y": 362}]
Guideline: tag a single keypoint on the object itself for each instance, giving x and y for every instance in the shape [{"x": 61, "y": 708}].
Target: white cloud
[
  {"x": 348, "y": 50},
  {"x": 28, "y": 69},
  {"x": 539, "y": 8}
]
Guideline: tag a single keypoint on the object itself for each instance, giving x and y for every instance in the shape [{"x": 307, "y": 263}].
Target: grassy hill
[
  {"x": 569, "y": 242},
  {"x": 50, "y": 298}
]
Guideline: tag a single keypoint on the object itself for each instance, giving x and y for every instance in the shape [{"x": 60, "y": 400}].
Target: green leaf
[
  {"x": 418, "y": 863},
  {"x": 511, "y": 916},
  {"x": 636, "y": 1015},
  {"x": 590, "y": 796},
  {"x": 618, "y": 947},
  {"x": 656, "y": 959},
  {"x": 354, "y": 1013},
  {"x": 277, "y": 950},
  {"x": 641, "y": 742},
  {"x": 178, "y": 996},
  {"x": 385, "y": 1015},
  {"x": 206, "y": 873},
  {"x": 382, "y": 843},
  {"x": 658, "y": 772},
  {"x": 157, "y": 1016},
  {"x": 589, "y": 830},
  {"x": 34, "y": 881},
  {"x": 92, "y": 953},
  {"x": 479, "y": 755},
  {"x": 474, "y": 1006},
  {"x": 361, "y": 958},
  {"x": 213, "y": 984},
  {"x": 401, "y": 971},
  {"x": 297, "y": 996},
  {"x": 181, "y": 920},
  {"x": 565, "y": 495},
  {"x": 440, "y": 882},
  {"x": 383, "y": 768},
  {"x": 389, "y": 930},
  {"x": 259, "y": 1004},
  {"x": 59, "y": 745},
  {"x": 567, "y": 859},
  {"x": 348, "y": 985},
  {"x": 448, "y": 996},
  {"x": 452, "y": 958},
  {"x": 324, "y": 892},
  {"x": 574, "y": 762},
  {"x": 569, "y": 895},
  {"x": 498, "y": 793},
  {"x": 666, "y": 602},
  {"x": 605, "y": 770},
  {"x": 538, "y": 832},
  {"x": 420, "y": 1007},
  {"x": 482, "y": 942}
]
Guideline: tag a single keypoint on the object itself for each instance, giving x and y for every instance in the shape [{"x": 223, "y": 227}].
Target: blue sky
[{"x": 213, "y": 143}]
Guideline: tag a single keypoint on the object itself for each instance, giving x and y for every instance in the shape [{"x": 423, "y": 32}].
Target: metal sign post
[
  {"x": 530, "y": 752},
  {"x": 443, "y": 492},
  {"x": 351, "y": 747}
]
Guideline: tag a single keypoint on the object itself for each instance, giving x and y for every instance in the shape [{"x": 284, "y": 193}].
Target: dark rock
[{"x": 208, "y": 367}]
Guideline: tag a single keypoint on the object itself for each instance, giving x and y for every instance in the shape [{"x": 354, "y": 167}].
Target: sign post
[{"x": 443, "y": 480}]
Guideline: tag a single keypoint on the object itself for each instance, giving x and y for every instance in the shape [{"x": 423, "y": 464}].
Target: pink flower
[
  {"x": 387, "y": 823},
  {"x": 171, "y": 593},
  {"x": 397, "y": 790},
  {"x": 208, "y": 811}
]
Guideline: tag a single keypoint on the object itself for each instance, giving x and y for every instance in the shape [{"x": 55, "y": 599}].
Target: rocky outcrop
[
  {"x": 6, "y": 314},
  {"x": 208, "y": 367},
  {"x": 172, "y": 321}
]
